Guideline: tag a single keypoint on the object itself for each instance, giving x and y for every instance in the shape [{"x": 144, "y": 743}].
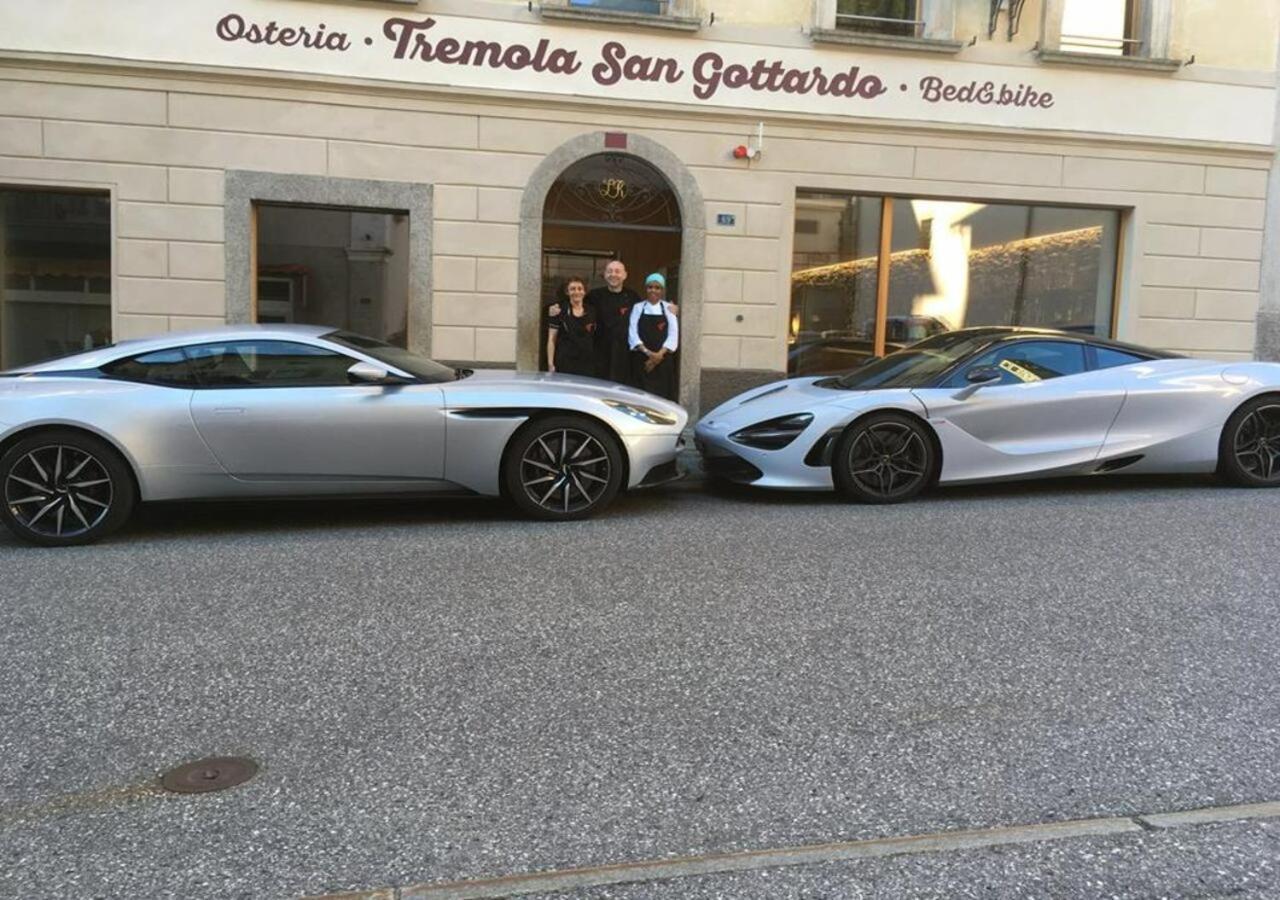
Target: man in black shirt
[{"x": 612, "y": 304}]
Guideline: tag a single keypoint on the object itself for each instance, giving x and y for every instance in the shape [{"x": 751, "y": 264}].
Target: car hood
[
  {"x": 800, "y": 395},
  {"x": 552, "y": 381},
  {"x": 498, "y": 382},
  {"x": 776, "y": 398}
]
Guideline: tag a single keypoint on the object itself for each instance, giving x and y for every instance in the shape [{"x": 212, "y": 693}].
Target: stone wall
[{"x": 161, "y": 142}]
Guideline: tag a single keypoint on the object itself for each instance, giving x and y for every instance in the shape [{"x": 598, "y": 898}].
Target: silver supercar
[
  {"x": 294, "y": 411},
  {"x": 994, "y": 404}
]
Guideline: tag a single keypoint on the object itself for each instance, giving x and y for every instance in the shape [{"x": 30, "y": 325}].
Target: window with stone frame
[
  {"x": 1110, "y": 32},
  {"x": 907, "y": 24},
  {"x": 340, "y": 267},
  {"x": 645, "y": 7},
  {"x": 900, "y": 18},
  {"x": 1104, "y": 27},
  {"x": 681, "y": 15}
]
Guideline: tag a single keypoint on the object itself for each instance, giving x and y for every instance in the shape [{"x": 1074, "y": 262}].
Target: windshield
[
  {"x": 420, "y": 367},
  {"x": 917, "y": 365}
]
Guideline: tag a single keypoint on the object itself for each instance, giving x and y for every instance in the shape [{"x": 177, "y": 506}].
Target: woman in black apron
[
  {"x": 654, "y": 338},
  {"x": 572, "y": 334}
]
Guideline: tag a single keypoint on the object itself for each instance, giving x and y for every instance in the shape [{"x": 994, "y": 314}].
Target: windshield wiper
[{"x": 459, "y": 374}]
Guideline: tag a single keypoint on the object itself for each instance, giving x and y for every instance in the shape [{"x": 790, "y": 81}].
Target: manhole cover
[{"x": 214, "y": 774}]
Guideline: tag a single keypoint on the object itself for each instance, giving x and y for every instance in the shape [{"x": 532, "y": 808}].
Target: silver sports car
[
  {"x": 307, "y": 411},
  {"x": 990, "y": 404}
]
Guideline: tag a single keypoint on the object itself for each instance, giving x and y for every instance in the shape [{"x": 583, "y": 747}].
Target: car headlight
[
  {"x": 773, "y": 434},
  {"x": 646, "y": 414}
]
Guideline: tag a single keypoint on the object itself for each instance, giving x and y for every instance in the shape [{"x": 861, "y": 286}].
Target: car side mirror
[
  {"x": 978, "y": 378},
  {"x": 368, "y": 373}
]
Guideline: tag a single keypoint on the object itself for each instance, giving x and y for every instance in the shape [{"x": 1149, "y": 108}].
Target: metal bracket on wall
[{"x": 1014, "y": 12}]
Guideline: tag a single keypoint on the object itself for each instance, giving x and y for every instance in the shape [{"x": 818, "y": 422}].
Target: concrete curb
[
  {"x": 1211, "y": 815},
  {"x": 714, "y": 864}
]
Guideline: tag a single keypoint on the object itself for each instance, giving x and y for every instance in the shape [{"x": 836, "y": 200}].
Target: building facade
[{"x": 819, "y": 180}]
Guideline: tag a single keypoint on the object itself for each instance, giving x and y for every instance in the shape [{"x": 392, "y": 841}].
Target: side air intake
[{"x": 1113, "y": 465}]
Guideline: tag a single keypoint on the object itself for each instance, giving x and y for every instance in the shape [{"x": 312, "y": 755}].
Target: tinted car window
[
  {"x": 1109, "y": 358},
  {"x": 427, "y": 370},
  {"x": 1022, "y": 362},
  {"x": 916, "y": 366},
  {"x": 167, "y": 368},
  {"x": 268, "y": 364}
]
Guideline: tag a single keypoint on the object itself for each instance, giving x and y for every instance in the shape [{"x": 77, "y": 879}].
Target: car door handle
[{"x": 228, "y": 410}]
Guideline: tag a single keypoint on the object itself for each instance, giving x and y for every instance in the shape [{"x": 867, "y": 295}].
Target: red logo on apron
[
  {"x": 662, "y": 326},
  {"x": 622, "y": 311},
  {"x": 591, "y": 328}
]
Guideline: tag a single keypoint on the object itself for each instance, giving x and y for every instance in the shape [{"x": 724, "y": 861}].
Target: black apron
[
  {"x": 613, "y": 318},
  {"x": 575, "y": 342},
  {"x": 652, "y": 331}
]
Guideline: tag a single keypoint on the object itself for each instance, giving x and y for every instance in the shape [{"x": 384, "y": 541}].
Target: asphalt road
[{"x": 441, "y": 692}]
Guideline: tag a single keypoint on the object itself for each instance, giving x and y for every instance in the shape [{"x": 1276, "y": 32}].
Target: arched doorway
[
  {"x": 689, "y": 218},
  {"x": 604, "y": 207}
]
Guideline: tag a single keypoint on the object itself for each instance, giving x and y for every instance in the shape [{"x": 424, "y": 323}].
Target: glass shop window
[
  {"x": 55, "y": 260},
  {"x": 343, "y": 268},
  {"x": 949, "y": 264},
  {"x": 834, "y": 280}
]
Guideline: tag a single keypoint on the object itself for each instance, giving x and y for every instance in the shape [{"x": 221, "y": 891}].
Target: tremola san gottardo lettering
[{"x": 708, "y": 75}]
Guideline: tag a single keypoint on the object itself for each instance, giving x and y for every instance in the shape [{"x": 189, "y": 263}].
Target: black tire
[
  {"x": 884, "y": 458},
  {"x": 41, "y": 505},
  {"x": 1249, "y": 450},
  {"x": 562, "y": 468}
]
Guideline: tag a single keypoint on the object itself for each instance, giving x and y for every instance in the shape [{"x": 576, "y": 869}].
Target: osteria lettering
[{"x": 426, "y": 41}]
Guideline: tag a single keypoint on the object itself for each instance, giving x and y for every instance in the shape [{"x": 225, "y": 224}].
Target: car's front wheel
[
  {"x": 63, "y": 487},
  {"x": 1249, "y": 453},
  {"x": 563, "y": 467},
  {"x": 884, "y": 458}
]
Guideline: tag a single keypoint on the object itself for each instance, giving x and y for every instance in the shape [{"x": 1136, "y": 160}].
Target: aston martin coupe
[
  {"x": 991, "y": 404},
  {"x": 293, "y": 411}
]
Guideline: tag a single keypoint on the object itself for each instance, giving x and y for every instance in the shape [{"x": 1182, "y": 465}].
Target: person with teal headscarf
[{"x": 654, "y": 338}]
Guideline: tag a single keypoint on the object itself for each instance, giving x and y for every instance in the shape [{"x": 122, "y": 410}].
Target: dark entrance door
[{"x": 609, "y": 206}]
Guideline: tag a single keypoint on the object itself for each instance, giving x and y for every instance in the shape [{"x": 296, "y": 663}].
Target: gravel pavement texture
[{"x": 445, "y": 691}]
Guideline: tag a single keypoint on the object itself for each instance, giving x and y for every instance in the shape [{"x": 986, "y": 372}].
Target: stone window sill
[
  {"x": 1094, "y": 60},
  {"x": 613, "y": 17},
  {"x": 884, "y": 41}
]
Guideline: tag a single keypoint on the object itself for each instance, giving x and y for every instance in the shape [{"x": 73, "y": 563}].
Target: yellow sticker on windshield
[{"x": 1018, "y": 372}]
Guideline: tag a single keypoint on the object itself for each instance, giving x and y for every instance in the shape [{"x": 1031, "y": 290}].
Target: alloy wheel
[
  {"x": 888, "y": 459},
  {"x": 1257, "y": 443},
  {"x": 565, "y": 470},
  {"x": 58, "y": 491}
]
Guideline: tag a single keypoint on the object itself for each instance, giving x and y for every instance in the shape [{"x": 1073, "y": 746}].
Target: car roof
[
  {"x": 91, "y": 359},
  {"x": 1004, "y": 333}
]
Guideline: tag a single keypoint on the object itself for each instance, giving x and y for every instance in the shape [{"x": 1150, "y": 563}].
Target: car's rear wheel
[
  {"x": 563, "y": 467},
  {"x": 1249, "y": 453},
  {"x": 63, "y": 487},
  {"x": 884, "y": 458}
]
